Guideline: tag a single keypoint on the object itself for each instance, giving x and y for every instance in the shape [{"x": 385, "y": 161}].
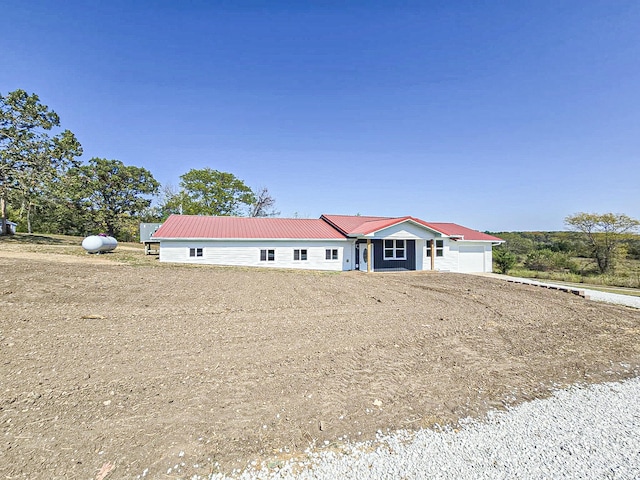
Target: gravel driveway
[{"x": 581, "y": 432}]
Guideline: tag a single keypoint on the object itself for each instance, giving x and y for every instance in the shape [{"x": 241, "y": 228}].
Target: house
[{"x": 332, "y": 242}]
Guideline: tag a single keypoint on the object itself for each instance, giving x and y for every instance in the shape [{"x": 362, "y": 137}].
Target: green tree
[
  {"x": 29, "y": 156},
  {"x": 107, "y": 194},
  {"x": 546, "y": 260},
  {"x": 516, "y": 242},
  {"x": 210, "y": 192},
  {"x": 67, "y": 207},
  {"x": 504, "y": 260},
  {"x": 43, "y": 171},
  {"x": 605, "y": 233}
]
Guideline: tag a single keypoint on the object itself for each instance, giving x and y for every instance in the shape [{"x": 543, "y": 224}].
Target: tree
[
  {"x": 604, "y": 233},
  {"x": 504, "y": 260},
  {"x": 47, "y": 166},
  {"x": 264, "y": 205},
  {"x": 110, "y": 193},
  {"x": 29, "y": 156},
  {"x": 546, "y": 260},
  {"x": 210, "y": 192}
]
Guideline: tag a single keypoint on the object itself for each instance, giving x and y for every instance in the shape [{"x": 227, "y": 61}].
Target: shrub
[
  {"x": 504, "y": 260},
  {"x": 546, "y": 260}
]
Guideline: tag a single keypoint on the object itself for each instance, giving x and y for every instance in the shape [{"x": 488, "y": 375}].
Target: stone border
[{"x": 562, "y": 288}]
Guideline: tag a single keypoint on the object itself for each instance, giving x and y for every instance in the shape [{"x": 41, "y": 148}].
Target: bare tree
[{"x": 263, "y": 205}]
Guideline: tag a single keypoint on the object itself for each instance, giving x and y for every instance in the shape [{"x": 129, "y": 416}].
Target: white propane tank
[{"x": 99, "y": 244}]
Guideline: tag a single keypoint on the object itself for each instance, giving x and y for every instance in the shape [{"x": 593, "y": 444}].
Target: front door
[{"x": 363, "y": 256}]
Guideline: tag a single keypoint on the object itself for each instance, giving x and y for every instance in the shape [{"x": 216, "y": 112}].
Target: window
[
  {"x": 300, "y": 254},
  {"x": 439, "y": 248},
  {"x": 195, "y": 252},
  {"x": 267, "y": 255},
  {"x": 331, "y": 254},
  {"x": 395, "y": 250}
]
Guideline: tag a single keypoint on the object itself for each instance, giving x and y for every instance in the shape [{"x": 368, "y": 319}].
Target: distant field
[{"x": 627, "y": 275}]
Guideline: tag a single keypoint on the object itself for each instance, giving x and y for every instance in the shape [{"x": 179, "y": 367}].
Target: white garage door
[{"x": 471, "y": 259}]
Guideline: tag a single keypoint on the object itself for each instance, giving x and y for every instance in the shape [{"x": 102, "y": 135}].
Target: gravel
[{"x": 581, "y": 432}]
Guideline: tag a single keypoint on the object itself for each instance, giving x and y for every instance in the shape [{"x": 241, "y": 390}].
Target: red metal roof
[
  {"x": 454, "y": 230},
  {"x": 326, "y": 227},
  {"x": 349, "y": 224},
  {"x": 196, "y": 226},
  {"x": 352, "y": 225}
]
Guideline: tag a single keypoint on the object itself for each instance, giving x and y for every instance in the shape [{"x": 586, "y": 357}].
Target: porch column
[
  {"x": 369, "y": 269},
  {"x": 433, "y": 254}
]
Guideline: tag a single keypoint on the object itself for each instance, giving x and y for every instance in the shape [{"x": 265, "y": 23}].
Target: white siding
[
  {"x": 421, "y": 257},
  {"x": 449, "y": 260},
  {"x": 247, "y": 253},
  {"x": 455, "y": 260},
  {"x": 488, "y": 258},
  {"x": 406, "y": 230}
]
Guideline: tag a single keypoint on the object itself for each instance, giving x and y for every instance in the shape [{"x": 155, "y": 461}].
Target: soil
[{"x": 113, "y": 369}]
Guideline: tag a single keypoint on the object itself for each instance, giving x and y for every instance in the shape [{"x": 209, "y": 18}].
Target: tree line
[
  {"x": 606, "y": 240},
  {"x": 46, "y": 188}
]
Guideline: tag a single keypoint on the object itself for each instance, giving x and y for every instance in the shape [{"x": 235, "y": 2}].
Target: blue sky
[{"x": 495, "y": 115}]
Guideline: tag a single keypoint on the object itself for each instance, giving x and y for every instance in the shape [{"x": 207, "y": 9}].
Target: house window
[
  {"x": 395, "y": 250},
  {"x": 267, "y": 255},
  {"x": 331, "y": 254},
  {"x": 300, "y": 254},
  {"x": 439, "y": 248},
  {"x": 195, "y": 252}
]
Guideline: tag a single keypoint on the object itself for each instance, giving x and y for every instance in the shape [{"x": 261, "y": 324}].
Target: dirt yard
[{"x": 134, "y": 365}]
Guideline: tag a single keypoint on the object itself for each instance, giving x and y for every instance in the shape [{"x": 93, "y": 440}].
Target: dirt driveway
[{"x": 151, "y": 366}]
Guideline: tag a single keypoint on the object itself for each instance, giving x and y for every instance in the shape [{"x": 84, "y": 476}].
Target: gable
[
  {"x": 379, "y": 227},
  {"x": 406, "y": 230}
]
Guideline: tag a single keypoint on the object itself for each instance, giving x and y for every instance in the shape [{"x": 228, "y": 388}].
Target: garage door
[{"x": 471, "y": 259}]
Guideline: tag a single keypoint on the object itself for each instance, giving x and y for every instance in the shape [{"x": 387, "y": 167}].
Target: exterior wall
[
  {"x": 380, "y": 264},
  {"x": 148, "y": 229},
  {"x": 247, "y": 253},
  {"x": 488, "y": 259},
  {"x": 453, "y": 260},
  {"x": 449, "y": 260},
  {"x": 422, "y": 262}
]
